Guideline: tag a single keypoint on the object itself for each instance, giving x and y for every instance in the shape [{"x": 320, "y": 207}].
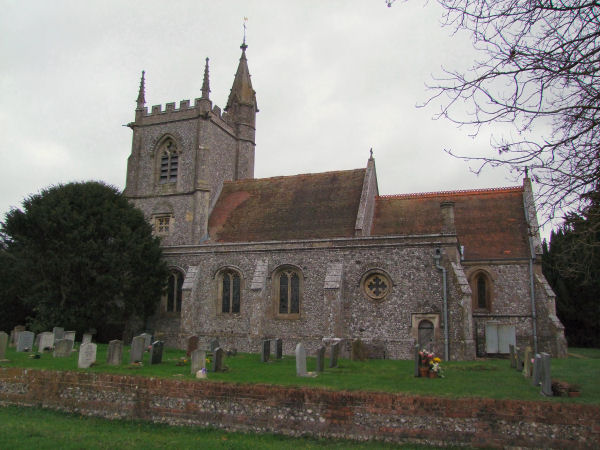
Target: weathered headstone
[
  {"x": 147, "y": 340},
  {"x": 217, "y": 365},
  {"x": 138, "y": 345},
  {"x": 417, "y": 358},
  {"x": 513, "y": 359},
  {"x": 25, "y": 341},
  {"x": 114, "y": 356},
  {"x": 214, "y": 344},
  {"x": 59, "y": 333},
  {"x": 266, "y": 351},
  {"x": 87, "y": 355},
  {"x": 537, "y": 370},
  {"x": 192, "y": 344},
  {"x": 156, "y": 352},
  {"x": 527, "y": 362},
  {"x": 359, "y": 352},
  {"x": 36, "y": 343},
  {"x": 278, "y": 346},
  {"x": 62, "y": 348},
  {"x": 546, "y": 377},
  {"x": 198, "y": 360},
  {"x": 321, "y": 359},
  {"x": 87, "y": 338},
  {"x": 335, "y": 354},
  {"x": 46, "y": 341},
  {"x": 300, "y": 361},
  {"x": 70, "y": 335},
  {"x": 3, "y": 344},
  {"x": 14, "y": 334},
  {"x": 519, "y": 359}
]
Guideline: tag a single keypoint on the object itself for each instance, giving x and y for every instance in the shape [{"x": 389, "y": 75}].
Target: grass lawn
[{"x": 491, "y": 378}]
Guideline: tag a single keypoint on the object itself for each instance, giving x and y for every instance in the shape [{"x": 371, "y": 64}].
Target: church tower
[{"x": 180, "y": 156}]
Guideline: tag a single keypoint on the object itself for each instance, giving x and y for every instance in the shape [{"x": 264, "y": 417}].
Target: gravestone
[
  {"x": 87, "y": 355},
  {"x": 36, "y": 343},
  {"x": 87, "y": 338},
  {"x": 3, "y": 345},
  {"x": 70, "y": 335},
  {"x": 25, "y": 341},
  {"x": 147, "y": 340},
  {"x": 14, "y": 334},
  {"x": 417, "y": 358},
  {"x": 156, "y": 352},
  {"x": 115, "y": 353},
  {"x": 335, "y": 354},
  {"x": 217, "y": 365},
  {"x": 278, "y": 345},
  {"x": 62, "y": 348},
  {"x": 138, "y": 345},
  {"x": 59, "y": 333},
  {"x": 300, "y": 361},
  {"x": 214, "y": 344},
  {"x": 266, "y": 351},
  {"x": 321, "y": 359},
  {"x": 537, "y": 370},
  {"x": 527, "y": 362},
  {"x": 192, "y": 344},
  {"x": 198, "y": 360},
  {"x": 513, "y": 359},
  {"x": 546, "y": 377},
  {"x": 519, "y": 359},
  {"x": 46, "y": 341}
]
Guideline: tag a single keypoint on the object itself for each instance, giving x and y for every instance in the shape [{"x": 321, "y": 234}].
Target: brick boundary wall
[{"x": 307, "y": 411}]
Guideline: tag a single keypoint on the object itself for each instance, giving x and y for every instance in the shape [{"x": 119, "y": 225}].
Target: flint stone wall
[{"x": 303, "y": 411}]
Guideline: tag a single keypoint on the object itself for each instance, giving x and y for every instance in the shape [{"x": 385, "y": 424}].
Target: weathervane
[{"x": 244, "y": 46}]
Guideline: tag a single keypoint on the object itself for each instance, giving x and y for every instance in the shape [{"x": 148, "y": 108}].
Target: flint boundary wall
[{"x": 307, "y": 411}]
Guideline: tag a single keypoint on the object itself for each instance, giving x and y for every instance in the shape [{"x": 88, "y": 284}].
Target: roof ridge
[
  {"x": 246, "y": 180},
  {"x": 456, "y": 192}
]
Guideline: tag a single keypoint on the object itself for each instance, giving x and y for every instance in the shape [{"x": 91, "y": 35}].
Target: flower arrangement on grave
[
  {"x": 425, "y": 359},
  {"x": 436, "y": 367},
  {"x": 429, "y": 363}
]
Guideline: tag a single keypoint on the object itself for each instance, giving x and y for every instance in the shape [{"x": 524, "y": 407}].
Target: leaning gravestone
[
  {"x": 278, "y": 344},
  {"x": 147, "y": 340},
  {"x": 3, "y": 345},
  {"x": 62, "y": 348},
  {"x": 70, "y": 335},
  {"x": 46, "y": 341},
  {"x": 546, "y": 377},
  {"x": 138, "y": 345},
  {"x": 266, "y": 351},
  {"x": 335, "y": 353},
  {"x": 537, "y": 370},
  {"x": 300, "y": 361},
  {"x": 198, "y": 360},
  {"x": 321, "y": 359},
  {"x": 87, "y": 338},
  {"x": 115, "y": 353},
  {"x": 87, "y": 355},
  {"x": 59, "y": 333},
  {"x": 192, "y": 344},
  {"x": 156, "y": 352},
  {"x": 25, "y": 342},
  {"x": 217, "y": 365}
]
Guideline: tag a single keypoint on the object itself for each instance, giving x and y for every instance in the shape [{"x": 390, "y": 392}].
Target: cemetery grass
[
  {"x": 26, "y": 428},
  {"x": 488, "y": 378}
]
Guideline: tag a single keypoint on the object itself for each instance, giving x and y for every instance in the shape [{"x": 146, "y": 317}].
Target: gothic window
[
  {"x": 229, "y": 289},
  {"x": 173, "y": 295},
  {"x": 376, "y": 285},
  {"x": 481, "y": 287},
  {"x": 288, "y": 285},
  {"x": 169, "y": 162}
]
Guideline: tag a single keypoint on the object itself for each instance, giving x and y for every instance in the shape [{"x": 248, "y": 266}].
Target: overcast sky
[{"x": 332, "y": 80}]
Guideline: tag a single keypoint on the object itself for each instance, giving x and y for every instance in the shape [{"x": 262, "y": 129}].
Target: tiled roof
[
  {"x": 304, "y": 206},
  {"x": 490, "y": 223}
]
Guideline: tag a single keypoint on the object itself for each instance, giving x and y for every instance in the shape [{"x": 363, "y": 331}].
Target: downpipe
[{"x": 437, "y": 257}]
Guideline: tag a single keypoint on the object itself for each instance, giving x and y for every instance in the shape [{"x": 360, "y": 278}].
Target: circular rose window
[{"x": 377, "y": 286}]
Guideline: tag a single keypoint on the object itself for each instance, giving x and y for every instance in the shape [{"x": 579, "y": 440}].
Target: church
[{"x": 322, "y": 257}]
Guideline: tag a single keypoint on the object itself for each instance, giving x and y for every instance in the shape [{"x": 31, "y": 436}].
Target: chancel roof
[
  {"x": 321, "y": 205},
  {"x": 490, "y": 223}
]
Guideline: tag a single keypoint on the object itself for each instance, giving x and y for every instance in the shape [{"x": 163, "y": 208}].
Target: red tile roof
[
  {"x": 304, "y": 206},
  {"x": 490, "y": 223}
]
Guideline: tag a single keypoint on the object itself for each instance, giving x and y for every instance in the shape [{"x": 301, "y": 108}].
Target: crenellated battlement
[{"x": 185, "y": 110}]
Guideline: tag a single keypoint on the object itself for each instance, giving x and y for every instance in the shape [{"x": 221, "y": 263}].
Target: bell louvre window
[{"x": 169, "y": 163}]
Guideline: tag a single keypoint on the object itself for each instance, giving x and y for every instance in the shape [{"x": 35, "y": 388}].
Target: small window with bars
[{"x": 162, "y": 225}]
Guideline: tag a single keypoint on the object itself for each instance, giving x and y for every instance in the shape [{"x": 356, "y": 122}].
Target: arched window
[
  {"x": 173, "y": 295},
  {"x": 229, "y": 289},
  {"x": 481, "y": 287},
  {"x": 288, "y": 285},
  {"x": 169, "y": 162}
]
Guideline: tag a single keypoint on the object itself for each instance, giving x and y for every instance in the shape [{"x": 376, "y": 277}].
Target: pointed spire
[
  {"x": 241, "y": 91},
  {"x": 141, "y": 99},
  {"x": 206, "y": 82}
]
